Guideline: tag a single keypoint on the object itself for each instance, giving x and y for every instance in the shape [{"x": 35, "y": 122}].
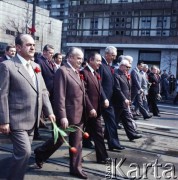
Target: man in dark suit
[
  {"x": 107, "y": 82},
  {"x": 47, "y": 68},
  {"x": 69, "y": 108},
  {"x": 137, "y": 91},
  {"x": 48, "y": 71},
  {"x": 93, "y": 105},
  {"x": 122, "y": 99},
  {"x": 154, "y": 90},
  {"x": 9, "y": 53},
  {"x": 22, "y": 95}
]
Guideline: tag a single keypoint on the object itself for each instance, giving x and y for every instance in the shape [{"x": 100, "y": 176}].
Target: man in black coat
[
  {"x": 154, "y": 90},
  {"x": 122, "y": 99},
  {"x": 107, "y": 83}
]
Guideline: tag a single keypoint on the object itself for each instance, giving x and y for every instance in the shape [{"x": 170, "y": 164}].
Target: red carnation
[
  {"x": 98, "y": 77},
  {"x": 81, "y": 77},
  {"x": 73, "y": 150},
  {"x": 86, "y": 135},
  {"x": 112, "y": 70},
  {"x": 128, "y": 77},
  {"x": 37, "y": 70}
]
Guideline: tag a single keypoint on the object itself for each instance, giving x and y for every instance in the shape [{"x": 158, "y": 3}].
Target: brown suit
[
  {"x": 69, "y": 103},
  {"x": 93, "y": 125}
]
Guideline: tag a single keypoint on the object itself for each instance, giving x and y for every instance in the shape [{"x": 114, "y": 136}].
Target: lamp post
[{"x": 42, "y": 37}]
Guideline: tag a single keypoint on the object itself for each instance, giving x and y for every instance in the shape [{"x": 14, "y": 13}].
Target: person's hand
[
  {"x": 127, "y": 103},
  {"x": 5, "y": 128},
  {"x": 93, "y": 113},
  {"x": 106, "y": 103},
  {"x": 52, "y": 117},
  {"x": 64, "y": 123}
]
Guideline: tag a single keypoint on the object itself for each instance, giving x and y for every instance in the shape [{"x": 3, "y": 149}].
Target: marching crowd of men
[{"x": 68, "y": 94}]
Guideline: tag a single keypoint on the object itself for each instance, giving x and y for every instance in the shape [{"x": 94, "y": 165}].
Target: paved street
[{"x": 158, "y": 146}]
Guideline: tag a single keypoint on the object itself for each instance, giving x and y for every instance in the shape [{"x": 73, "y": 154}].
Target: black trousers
[{"x": 127, "y": 121}]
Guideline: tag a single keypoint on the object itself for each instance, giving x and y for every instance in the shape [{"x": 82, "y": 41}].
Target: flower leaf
[
  {"x": 57, "y": 131},
  {"x": 70, "y": 129}
]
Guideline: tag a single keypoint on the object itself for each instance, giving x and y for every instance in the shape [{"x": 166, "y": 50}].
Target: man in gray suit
[
  {"x": 137, "y": 91},
  {"x": 23, "y": 94}
]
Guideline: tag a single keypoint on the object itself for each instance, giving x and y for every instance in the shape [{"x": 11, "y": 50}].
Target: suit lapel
[
  {"x": 24, "y": 73},
  {"x": 75, "y": 77},
  {"x": 93, "y": 78}
]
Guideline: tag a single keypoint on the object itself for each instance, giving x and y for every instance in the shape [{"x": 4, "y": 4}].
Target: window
[{"x": 10, "y": 32}]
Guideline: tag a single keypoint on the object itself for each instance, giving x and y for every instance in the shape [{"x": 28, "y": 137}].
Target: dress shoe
[
  {"x": 102, "y": 161},
  {"x": 118, "y": 147},
  {"x": 136, "y": 136},
  {"x": 38, "y": 161},
  {"x": 80, "y": 175},
  {"x": 147, "y": 117}
]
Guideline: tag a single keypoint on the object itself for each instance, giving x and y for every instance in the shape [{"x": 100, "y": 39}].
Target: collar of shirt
[
  {"x": 71, "y": 66},
  {"x": 91, "y": 69},
  {"x": 23, "y": 61},
  {"x": 57, "y": 65},
  {"x": 8, "y": 57}
]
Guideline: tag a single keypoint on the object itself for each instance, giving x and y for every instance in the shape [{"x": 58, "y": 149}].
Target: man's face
[
  {"x": 145, "y": 69},
  {"x": 76, "y": 59},
  {"x": 48, "y": 54},
  {"x": 11, "y": 52},
  {"x": 58, "y": 59},
  {"x": 125, "y": 68},
  {"x": 110, "y": 56},
  {"x": 95, "y": 64},
  {"x": 27, "y": 49},
  {"x": 140, "y": 66}
]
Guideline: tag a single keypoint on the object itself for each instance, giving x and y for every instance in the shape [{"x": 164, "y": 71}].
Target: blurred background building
[
  {"x": 144, "y": 29},
  {"x": 16, "y": 17}
]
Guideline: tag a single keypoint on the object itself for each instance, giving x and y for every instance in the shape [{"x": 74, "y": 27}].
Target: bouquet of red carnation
[{"x": 63, "y": 133}]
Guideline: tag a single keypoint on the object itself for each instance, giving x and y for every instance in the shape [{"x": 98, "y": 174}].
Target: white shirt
[{"x": 91, "y": 69}]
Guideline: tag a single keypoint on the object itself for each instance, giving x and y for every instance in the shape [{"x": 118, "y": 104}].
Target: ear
[{"x": 18, "y": 48}]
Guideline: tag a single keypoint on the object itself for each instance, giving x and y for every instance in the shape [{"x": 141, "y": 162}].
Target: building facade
[
  {"x": 144, "y": 29},
  {"x": 48, "y": 30}
]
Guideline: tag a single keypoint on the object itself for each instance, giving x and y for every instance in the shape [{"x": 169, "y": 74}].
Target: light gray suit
[{"x": 20, "y": 106}]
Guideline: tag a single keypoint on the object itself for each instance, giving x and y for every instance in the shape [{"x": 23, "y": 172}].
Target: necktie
[{"x": 31, "y": 73}]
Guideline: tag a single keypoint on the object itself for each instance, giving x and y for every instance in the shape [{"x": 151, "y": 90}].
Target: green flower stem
[{"x": 77, "y": 127}]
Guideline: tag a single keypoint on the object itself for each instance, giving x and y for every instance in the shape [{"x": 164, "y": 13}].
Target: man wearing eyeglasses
[{"x": 122, "y": 99}]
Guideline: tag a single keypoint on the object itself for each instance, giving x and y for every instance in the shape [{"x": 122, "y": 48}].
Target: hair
[
  {"x": 18, "y": 39},
  {"x": 145, "y": 66},
  {"x": 125, "y": 62},
  {"x": 91, "y": 56},
  {"x": 129, "y": 58},
  {"x": 56, "y": 55},
  {"x": 72, "y": 51},
  {"x": 9, "y": 47},
  {"x": 110, "y": 49},
  {"x": 140, "y": 62},
  {"x": 47, "y": 47},
  {"x": 154, "y": 67}
]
